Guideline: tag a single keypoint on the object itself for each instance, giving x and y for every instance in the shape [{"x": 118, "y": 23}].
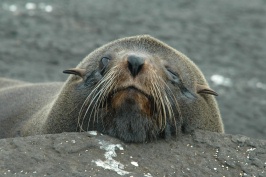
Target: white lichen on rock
[{"x": 109, "y": 163}]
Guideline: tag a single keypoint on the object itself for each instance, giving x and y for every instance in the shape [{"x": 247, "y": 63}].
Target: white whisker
[{"x": 96, "y": 98}]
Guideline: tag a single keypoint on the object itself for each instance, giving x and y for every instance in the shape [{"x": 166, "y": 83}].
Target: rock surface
[{"x": 86, "y": 154}]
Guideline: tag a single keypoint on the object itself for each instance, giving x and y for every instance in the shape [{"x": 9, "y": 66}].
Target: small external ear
[
  {"x": 76, "y": 71},
  {"x": 204, "y": 89}
]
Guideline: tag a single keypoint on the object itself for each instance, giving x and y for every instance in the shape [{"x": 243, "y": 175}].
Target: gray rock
[{"x": 84, "y": 154}]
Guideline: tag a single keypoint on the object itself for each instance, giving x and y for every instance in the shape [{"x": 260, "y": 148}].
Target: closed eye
[
  {"x": 104, "y": 61},
  {"x": 103, "y": 64},
  {"x": 172, "y": 72},
  {"x": 173, "y": 76}
]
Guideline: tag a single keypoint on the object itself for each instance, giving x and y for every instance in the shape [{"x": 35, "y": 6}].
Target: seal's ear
[
  {"x": 204, "y": 89},
  {"x": 76, "y": 71}
]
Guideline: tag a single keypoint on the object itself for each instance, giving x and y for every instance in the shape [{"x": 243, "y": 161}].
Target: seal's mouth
[
  {"x": 130, "y": 88},
  {"x": 134, "y": 98}
]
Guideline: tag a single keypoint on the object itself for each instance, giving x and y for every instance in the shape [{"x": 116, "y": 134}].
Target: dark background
[{"x": 226, "y": 39}]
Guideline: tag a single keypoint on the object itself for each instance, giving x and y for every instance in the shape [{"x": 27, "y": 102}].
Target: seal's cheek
[{"x": 132, "y": 101}]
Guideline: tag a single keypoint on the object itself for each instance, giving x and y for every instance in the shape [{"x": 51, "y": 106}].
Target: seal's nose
[{"x": 135, "y": 64}]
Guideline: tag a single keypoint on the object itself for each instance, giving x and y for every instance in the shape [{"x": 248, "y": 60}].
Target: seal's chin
[
  {"x": 135, "y": 100},
  {"x": 130, "y": 116}
]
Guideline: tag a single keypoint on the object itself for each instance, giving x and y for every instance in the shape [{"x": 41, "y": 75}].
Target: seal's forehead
[{"x": 143, "y": 44}]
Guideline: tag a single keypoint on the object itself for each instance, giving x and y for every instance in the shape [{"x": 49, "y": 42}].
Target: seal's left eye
[{"x": 103, "y": 63}]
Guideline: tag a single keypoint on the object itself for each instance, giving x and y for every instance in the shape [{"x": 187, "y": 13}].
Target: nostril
[{"x": 135, "y": 64}]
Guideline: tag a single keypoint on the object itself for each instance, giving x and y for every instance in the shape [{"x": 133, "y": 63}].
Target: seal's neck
[{"x": 64, "y": 110}]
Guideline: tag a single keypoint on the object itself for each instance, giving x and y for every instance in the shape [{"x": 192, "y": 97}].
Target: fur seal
[{"x": 137, "y": 89}]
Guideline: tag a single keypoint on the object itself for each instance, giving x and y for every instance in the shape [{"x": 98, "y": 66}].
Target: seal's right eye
[
  {"x": 103, "y": 63},
  {"x": 174, "y": 77}
]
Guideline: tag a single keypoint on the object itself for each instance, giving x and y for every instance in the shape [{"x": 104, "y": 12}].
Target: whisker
[
  {"x": 103, "y": 96},
  {"x": 173, "y": 97},
  {"x": 87, "y": 100},
  {"x": 93, "y": 94},
  {"x": 162, "y": 106},
  {"x": 96, "y": 98}
]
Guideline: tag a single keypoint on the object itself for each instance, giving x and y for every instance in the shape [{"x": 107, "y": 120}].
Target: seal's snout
[{"x": 135, "y": 64}]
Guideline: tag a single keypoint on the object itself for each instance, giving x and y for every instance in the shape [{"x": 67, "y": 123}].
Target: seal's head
[{"x": 133, "y": 89}]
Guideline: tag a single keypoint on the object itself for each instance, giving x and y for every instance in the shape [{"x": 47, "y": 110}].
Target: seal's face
[{"x": 133, "y": 90}]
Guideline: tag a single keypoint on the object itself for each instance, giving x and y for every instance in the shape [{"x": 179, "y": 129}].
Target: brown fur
[{"x": 29, "y": 109}]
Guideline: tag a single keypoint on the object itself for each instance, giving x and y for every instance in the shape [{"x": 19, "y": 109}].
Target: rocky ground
[
  {"x": 85, "y": 154},
  {"x": 226, "y": 39}
]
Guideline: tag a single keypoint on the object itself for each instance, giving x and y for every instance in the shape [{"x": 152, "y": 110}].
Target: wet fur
[{"x": 162, "y": 103}]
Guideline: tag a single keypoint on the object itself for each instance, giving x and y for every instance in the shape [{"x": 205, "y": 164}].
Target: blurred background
[{"x": 226, "y": 39}]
